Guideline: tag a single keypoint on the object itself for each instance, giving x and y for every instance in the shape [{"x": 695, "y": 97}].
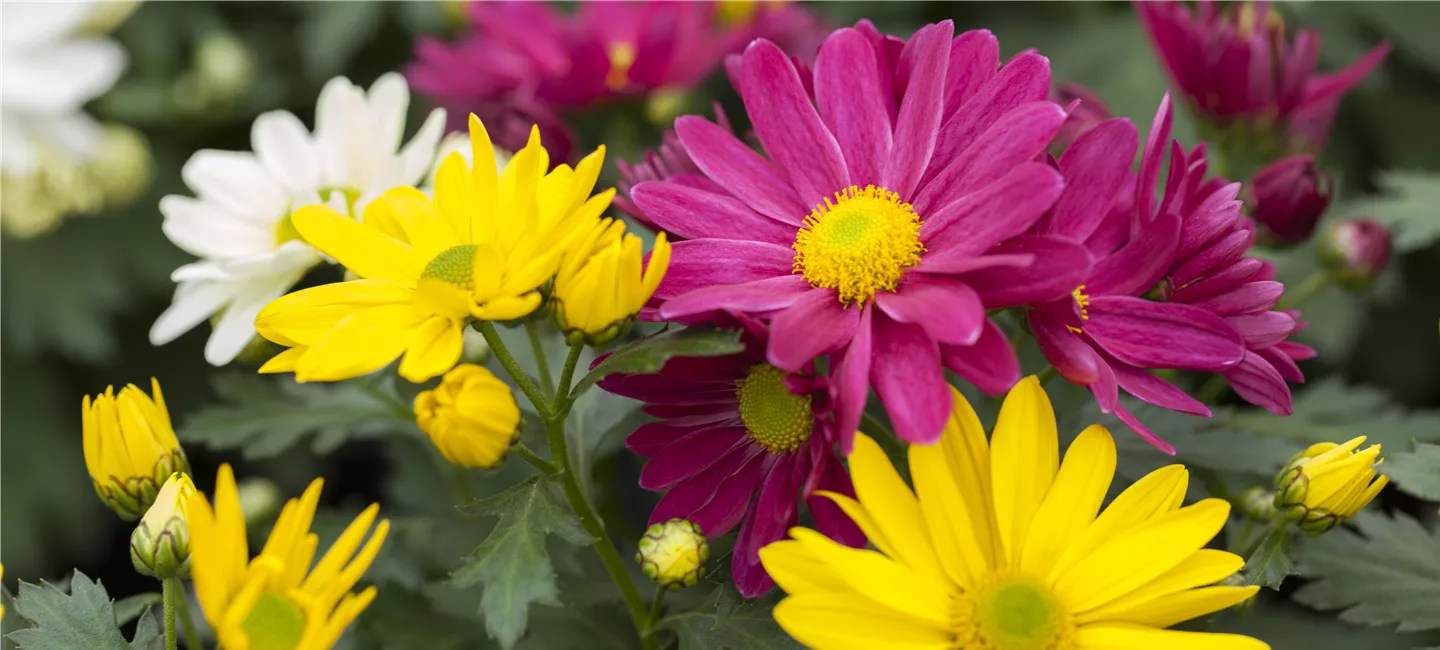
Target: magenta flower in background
[
  {"x": 1288, "y": 198},
  {"x": 881, "y": 226},
  {"x": 1085, "y": 109},
  {"x": 1356, "y": 251},
  {"x": 735, "y": 446},
  {"x": 1241, "y": 66}
]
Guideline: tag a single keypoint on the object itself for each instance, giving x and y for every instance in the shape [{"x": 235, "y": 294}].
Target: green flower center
[
  {"x": 275, "y": 623},
  {"x": 780, "y": 421},
  {"x": 455, "y": 265},
  {"x": 1019, "y": 614}
]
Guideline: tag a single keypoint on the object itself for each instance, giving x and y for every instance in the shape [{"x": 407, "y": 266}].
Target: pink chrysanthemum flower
[
  {"x": 735, "y": 445},
  {"x": 884, "y": 223},
  {"x": 1242, "y": 67}
]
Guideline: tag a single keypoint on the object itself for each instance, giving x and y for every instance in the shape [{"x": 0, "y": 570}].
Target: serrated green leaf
[
  {"x": 649, "y": 354},
  {"x": 1272, "y": 561},
  {"x": 83, "y": 618},
  {"x": 129, "y": 609},
  {"x": 1386, "y": 574},
  {"x": 512, "y": 563},
  {"x": 727, "y": 622},
  {"x": 1416, "y": 472},
  {"x": 1332, "y": 411},
  {"x": 265, "y": 417},
  {"x": 1406, "y": 204},
  {"x": 10, "y": 624},
  {"x": 1286, "y": 625}
]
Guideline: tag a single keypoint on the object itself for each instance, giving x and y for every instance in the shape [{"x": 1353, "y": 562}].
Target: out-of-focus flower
[
  {"x": 1241, "y": 68},
  {"x": 999, "y": 546},
  {"x": 1084, "y": 109},
  {"x": 276, "y": 599},
  {"x": 673, "y": 553},
  {"x": 130, "y": 447},
  {"x": 222, "y": 70},
  {"x": 240, "y": 223},
  {"x": 480, "y": 249},
  {"x": 1327, "y": 483},
  {"x": 739, "y": 440},
  {"x": 116, "y": 173},
  {"x": 160, "y": 545},
  {"x": 1289, "y": 197},
  {"x": 471, "y": 417},
  {"x": 1355, "y": 251},
  {"x": 601, "y": 285},
  {"x": 260, "y": 499},
  {"x": 883, "y": 225},
  {"x": 669, "y": 161}
]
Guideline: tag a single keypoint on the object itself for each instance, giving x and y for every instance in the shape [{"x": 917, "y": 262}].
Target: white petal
[
  {"x": 236, "y": 326},
  {"x": 285, "y": 148},
  {"x": 332, "y": 117},
  {"x": 205, "y": 229},
  {"x": 25, "y": 24},
  {"x": 193, "y": 303},
  {"x": 60, "y": 76},
  {"x": 76, "y": 133},
  {"x": 17, "y": 158},
  {"x": 238, "y": 182},
  {"x": 419, "y": 155},
  {"x": 388, "y": 100}
]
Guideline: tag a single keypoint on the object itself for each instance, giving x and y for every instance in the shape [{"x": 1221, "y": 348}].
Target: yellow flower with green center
[
  {"x": 1001, "y": 546},
  {"x": 1328, "y": 483},
  {"x": 481, "y": 249},
  {"x": 602, "y": 285},
  {"x": 775, "y": 418},
  {"x": 859, "y": 244},
  {"x": 130, "y": 447},
  {"x": 276, "y": 601}
]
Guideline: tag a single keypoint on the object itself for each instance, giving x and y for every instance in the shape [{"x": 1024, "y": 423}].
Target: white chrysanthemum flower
[
  {"x": 49, "y": 70},
  {"x": 239, "y": 221}
]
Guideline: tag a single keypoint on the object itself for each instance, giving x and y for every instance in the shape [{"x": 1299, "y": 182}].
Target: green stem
[
  {"x": 1047, "y": 374},
  {"x": 567, "y": 373},
  {"x": 171, "y": 591},
  {"x": 538, "y": 347},
  {"x": 182, "y": 605},
  {"x": 1307, "y": 290},
  {"x": 460, "y": 478},
  {"x": 1213, "y": 389},
  {"x": 656, "y": 605},
  {"x": 529, "y": 456},
  {"x": 507, "y": 360}
]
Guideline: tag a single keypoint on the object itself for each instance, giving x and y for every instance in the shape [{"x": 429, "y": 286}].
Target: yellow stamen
[
  {"x": 622, "y": 57},
  {"x": 858, "y": 244}
]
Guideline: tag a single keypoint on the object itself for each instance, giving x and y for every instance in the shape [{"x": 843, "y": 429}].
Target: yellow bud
[
  {"x": 600, "y": 285},
  {"x": 471, "y": 417},
  {"x": 160, "y": 545},
  {"x": 130, "y": 448},
  {"x": 673, "y": 554},
  {"x": 123, "y": 167},
  {"x": 1327, "y": 483}
]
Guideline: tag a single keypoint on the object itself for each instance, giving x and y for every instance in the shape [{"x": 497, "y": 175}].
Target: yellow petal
[
  {"x": 796, "y": 571},
  {"x": 1159, "y": 491},
  {"x": 892, "y": 506},
  {"x": 946, "y": 513},
  {"x": 508, "y": 307},
  {"x": 1183, "y": 606},
  {"x": 857, "y": 513},
  {"x": 886, "y": 581},
  {"x": 485, "y": 180},
  {"x": 362, "y": 249},
  {"x": 655, "y": 270},
  {"x": 1073, "y": 500},
  {"x": 827, "y": 621},
  {"x": 283, "y": 362},
  {"x": 434, "y": 348},
  {"x": 1204, "y": 567},
  {"x": 362, "y": 343},
  {"x": 1120, "y": 636},
  {"x": 455, "y": 194},
  {"x": 425, "y": 229},
  {"x": 1135, "y": 558},
  {"x": 486, "y": 272},
  {"x": 303, "y": 317},
  {"x": 967, "y": 454},
  {"x": 1024, "y": 455}
]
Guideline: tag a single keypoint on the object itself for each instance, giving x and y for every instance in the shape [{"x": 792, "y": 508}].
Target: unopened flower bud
[
  {"x": 160, "y": 545},
  {"x": 224, "y": 67},
  {"x": 1288, "y": 197},
  {"x": 130, "y": 448},
  {"x": 260, "y": 500},
  {"x": 600, "y": 286},
  {"x": 1327, "y": 484},
  {"x": 673, "y": 554},
  {"x": 471, "y": 417},
  {"x": 1355, "y": 252},
  {"x": 1090, "y": 110}
]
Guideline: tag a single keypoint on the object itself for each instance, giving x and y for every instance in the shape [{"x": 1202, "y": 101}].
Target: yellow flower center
[
  {"x": 776, "y": 419},
  {"x": 455, "y": 265},
  {"x": 859, "y": 244},
  {"x": 1013, "y": 613},
  {"x": 275, "y": 623},
  {"x": 622, "y": 56}
]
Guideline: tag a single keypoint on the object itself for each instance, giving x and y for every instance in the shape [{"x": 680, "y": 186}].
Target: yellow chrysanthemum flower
[
  {"x": 1328, "y": 483},
  {"x": 130, "y": 447},
  {"x": 270, "y": 602},
  {"x": 481, "y": 249},
  {"x": 471, "y": 417},
  {"x": 999, "y": 548},
  {"x": 600, "y": 285}
]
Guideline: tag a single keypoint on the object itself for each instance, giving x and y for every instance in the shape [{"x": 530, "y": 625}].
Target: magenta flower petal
[
  {"x": 1155, "y": 146},
  {"x": 1228, "y": 249},
  {"x": 1329, "y": 87},
  {"x": 1162, "y": 335},
  {"x": 743, "y": 173},
  {"x": 1065, "y": 350},
  {"x": 1020, "y": 135},
  {"x": 1143, "y": 431},
  {"x": 926, "y": 54},
  {"x": 906, "y": 374},
  {"x": 990, "y": 364},
  {"x": 702, "y": 263},
  {"x": 774, "y": 512},
  {"x": 653, "y": 436},
  {"x": 689, "y": 456},
  {"x": 1233, "y": 276},
  {"x": 803, "y": 150},
  {"x": 1296, "y": 351},
  {"x": 731, "y": 498},
  {"x": 698, "y": 214},
  {"x": 829, "y": 475},
  {"x": 850, "y": 377},
  {"x": 948, "y": 310},
  {"x": 999, "y": 211},
  {"x": 1260, "y": 384},
  {"x": 1138, "y": 265},
  {"x": 689, "y": 496},
  {"x": 760, "y": 296},
  {"x": 1022, "y": 80},
  {"x": 1248, "y": 298},
  {"x": 1157, "y": 391},
  {"x": 974, "y": 59},
  {"x": 1095, "y": 167},
  {"x": 1282, "y": 362},
  {"x": 1214, "y": 217},
  {"x": 1264, "y": 329},
  {"x": 815, "y": 324},
  {"x": 1060, "y": 266},
  {"x": 847, "y": 89},
  {"x": 968, "y": 264}
]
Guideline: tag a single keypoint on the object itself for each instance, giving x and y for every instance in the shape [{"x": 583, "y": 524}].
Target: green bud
[{"x": 160, "y": 545}]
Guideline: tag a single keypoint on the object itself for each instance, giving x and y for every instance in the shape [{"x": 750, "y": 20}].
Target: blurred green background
[{"x": 76, "y": 303}]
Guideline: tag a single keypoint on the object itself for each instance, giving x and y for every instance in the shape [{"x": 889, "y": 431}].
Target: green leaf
[
  {"x": 10, "y": 624},
  {"x": 596, "y": 429},
  {"x": 649, "y": 354},
  {"x": 83, "y": 618},
  {"x": 727, "y": 622},
  {"x": 1416, "y": 472},
  {"x": 512, "y": 563},
  {"x": 1406, "y": 204},
  {"x": 265, "y": 417},
  {"x": 335, "y": 32},
  {"x": 1332, "y": 411},
  {"x": 129, "y": 609},
  {"x": 1386, "y": 574},
  {"x": 1286, "y": 625},
  {"x": 1272, "y": 560}
]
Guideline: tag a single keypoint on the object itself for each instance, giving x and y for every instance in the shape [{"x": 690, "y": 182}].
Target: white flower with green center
[{"x": 238, "y": 223}]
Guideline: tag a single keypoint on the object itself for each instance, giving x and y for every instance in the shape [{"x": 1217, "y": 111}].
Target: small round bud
[
  {"x": 673, "y": 554},
  {"x": 160, "y": 545},
  {"x": 260, "y": 499},
  {"x": 1355, "y": 252},
  {"x": 1288, "y": 197},
  {"x": 1257, "y": 503},
  {"x": 224, "y": 67},
  {"x": 471, "y": 417}
]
